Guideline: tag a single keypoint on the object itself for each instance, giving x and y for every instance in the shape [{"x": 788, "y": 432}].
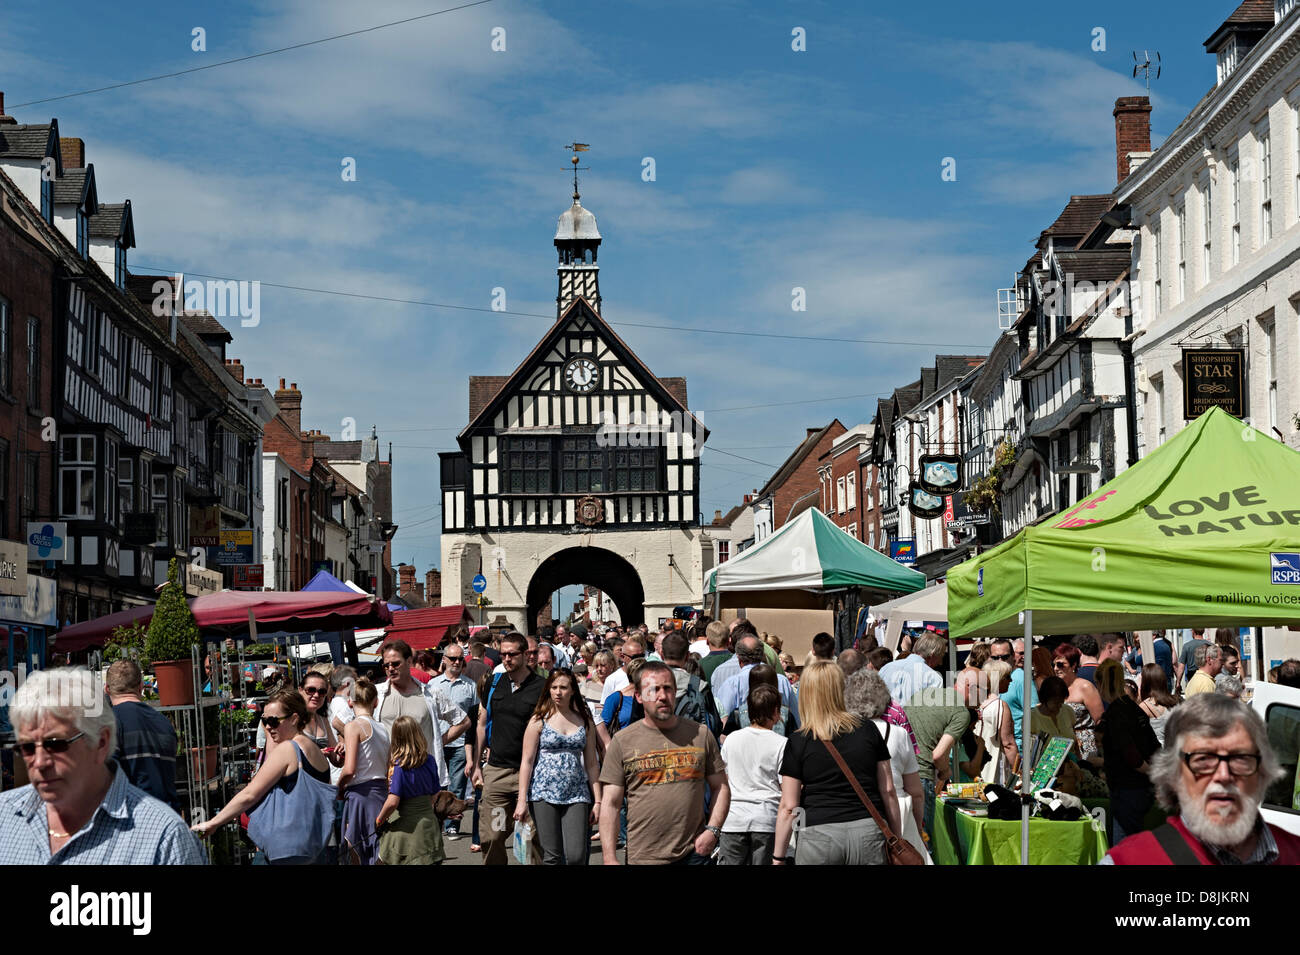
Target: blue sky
[{"x": 774, "y": 169}]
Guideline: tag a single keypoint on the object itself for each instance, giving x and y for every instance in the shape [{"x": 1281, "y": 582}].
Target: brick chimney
[
  {"x": 236, "y": 368},
  {"x": 74, "y": 152},
  {"x": 5, "y": 120},
  {"x": 406, "y": 578},
  {"x": 433, "y": 588},
  {"x": 1132, "y": 133},
  {"x": 419, "y": 590},
  {"x": 290, "y": 402}
]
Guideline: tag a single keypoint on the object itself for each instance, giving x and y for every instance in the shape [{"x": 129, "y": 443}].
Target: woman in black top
[
  {"x": 1128, "y": 742},
  {"x": 835, "y": 828}
]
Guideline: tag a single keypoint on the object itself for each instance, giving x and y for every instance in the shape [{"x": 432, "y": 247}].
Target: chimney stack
[
  {"x": 5, "y": 120},
  {"x": 236, "y": 368},
  {"x": 406, "y": 578},
  {"x": 74, "y": 152},
  {"x": 290, "y": 402},
  {"x": 1132, "y": 133},
  {"x": 433, "y": 588},
  {"x": 717, "y": 517}
]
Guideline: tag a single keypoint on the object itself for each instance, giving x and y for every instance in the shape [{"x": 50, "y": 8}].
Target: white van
[{"x": 1280, "y": 708}]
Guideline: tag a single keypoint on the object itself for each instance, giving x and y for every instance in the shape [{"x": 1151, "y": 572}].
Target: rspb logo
[{"x": 1286, "y": 568}]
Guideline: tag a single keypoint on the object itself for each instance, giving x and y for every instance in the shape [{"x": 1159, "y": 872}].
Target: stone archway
[{"x": 595, "y": 566}]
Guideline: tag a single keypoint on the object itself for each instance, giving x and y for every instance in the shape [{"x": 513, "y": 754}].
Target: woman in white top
[
  {"x": 363, "y": 785},
  {"x": 753, "y": 757},
  {"x": 866, "y": 694},
  {"x": 995, "y": 730}
]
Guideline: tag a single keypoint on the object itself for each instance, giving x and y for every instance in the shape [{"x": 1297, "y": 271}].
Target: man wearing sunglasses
[
  {"x": 1211, "y": 775},
  {"x": 402, "y": 695},
  {"x": 79, "y": 807},
  {"x": 509, "y": 704}
]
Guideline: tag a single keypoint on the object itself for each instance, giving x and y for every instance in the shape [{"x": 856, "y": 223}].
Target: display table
[{"x": 960, "y": 839}]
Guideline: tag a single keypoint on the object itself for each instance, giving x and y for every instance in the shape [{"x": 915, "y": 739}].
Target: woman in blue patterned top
[{"x": 562, "y": 772}]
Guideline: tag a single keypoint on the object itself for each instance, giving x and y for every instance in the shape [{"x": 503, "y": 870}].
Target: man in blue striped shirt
[
  {"x": 146, "y": 742},
  {"x": 79, "y": 808}
]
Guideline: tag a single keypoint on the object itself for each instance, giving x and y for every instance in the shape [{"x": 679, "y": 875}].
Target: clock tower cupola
[{"x": 576, "y": 240}]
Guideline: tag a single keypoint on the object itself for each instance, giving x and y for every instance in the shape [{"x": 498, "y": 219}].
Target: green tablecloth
[{"x": 960, "y": 839}]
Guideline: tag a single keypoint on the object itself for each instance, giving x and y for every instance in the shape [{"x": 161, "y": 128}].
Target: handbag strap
[
  {"x": 857, "y": 788},
  {"x": 1175, "y": 846}
]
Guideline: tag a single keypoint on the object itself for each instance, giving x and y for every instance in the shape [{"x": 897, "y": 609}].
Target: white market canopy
[
  {"x": 802, "y": 562},
  {"x": 928, "y": 604}
]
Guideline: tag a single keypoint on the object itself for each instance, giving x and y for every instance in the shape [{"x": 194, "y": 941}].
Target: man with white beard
[{"x": 1212, "y": 774}]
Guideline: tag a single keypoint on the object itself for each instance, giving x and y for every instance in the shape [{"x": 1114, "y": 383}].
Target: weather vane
[{"x": 577, "y": 148}]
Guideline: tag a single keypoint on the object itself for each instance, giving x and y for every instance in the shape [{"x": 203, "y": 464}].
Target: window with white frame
[
  {"x": 77, "y": 476},
  {"x": 1207, "y": 230},
  {"x": 853, "y": 531},
  {"x": 1270, "y": 365},
  {"x": 1265, "y": 186},
  {"x": 839, "y": 496},
  {"x": 1181, "y": 218},
  {"x": 1158, "y": 407},
  {"x": 851, "y": 489},
  {"x": 125, "y": 485},
  {"x": 1234, "y": 169},
  {"x": 1155, "y": 264},
  {"x": 724, "y": 551}
]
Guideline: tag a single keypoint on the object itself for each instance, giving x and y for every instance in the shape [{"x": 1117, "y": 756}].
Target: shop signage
[
  {"x": 200, "y": 581},
  {"x": 236, "y": 547},
  {"x": 922, "y": 503},
  {"x": 47, "y": 540},
  {"x": 1214, "y": 378},
  {"x": 13, "y": 568},
  {"x": 940, "y": 473},
  {"x": 903, "y": 551},
  {"x": 249, "y": 575}
]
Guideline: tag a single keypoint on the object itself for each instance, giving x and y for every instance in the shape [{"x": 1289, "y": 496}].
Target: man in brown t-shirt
[{"x": 662, "y": 764}]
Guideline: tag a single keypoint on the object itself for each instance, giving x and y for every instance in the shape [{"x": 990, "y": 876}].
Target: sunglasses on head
[{"x": 52, "y": 745}]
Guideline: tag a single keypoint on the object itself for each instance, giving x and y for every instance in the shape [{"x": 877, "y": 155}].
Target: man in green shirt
[
  {"x": 939, "y": 717},
  {"x": 719, "y": 641}
]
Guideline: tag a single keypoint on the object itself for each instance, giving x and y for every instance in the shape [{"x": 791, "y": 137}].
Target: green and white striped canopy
[{"x": 806, "y": 558}]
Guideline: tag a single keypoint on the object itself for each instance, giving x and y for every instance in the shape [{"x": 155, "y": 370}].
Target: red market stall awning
[
  {"x": 424, "y": 629},
  {"x": 226, "y": 614}
]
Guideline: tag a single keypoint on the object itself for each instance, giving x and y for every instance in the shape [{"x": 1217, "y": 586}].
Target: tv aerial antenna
[{"x": 1146, "y": 66}]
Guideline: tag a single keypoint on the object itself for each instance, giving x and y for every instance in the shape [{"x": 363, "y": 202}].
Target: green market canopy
[
  {"x": 1202, "y": 532},
  {"x": 804, "y": 560}
]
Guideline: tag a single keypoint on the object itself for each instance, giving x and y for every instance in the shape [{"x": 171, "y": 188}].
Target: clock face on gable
[{"x": 581, "y": 375}]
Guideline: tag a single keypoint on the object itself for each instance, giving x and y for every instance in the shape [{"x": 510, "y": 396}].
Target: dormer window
[
  {"x": 119, "y": 264},
  {"x": 47, "y": 198},
  {"x": 1229, "y": 56},
  {"x": 83, "y": 233}
]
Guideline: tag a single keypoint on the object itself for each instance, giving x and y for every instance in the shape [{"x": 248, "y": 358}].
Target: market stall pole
[{"x": 1199, "y": 533}]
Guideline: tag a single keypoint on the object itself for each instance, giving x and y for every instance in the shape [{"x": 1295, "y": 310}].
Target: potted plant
[
  {"x": 172, "y": 635},
  {"x": 126, "y": 643}
]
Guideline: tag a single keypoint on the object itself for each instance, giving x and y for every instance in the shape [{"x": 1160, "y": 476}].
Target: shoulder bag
[
  {"x": 897, "y": 851},
  {"x": 294, "y": 826}
]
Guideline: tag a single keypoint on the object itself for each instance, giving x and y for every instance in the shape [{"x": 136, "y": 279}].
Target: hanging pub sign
[
  {"x": 940, "y": 473},
  {"x": 922, "y": 503},
  {"x": 1214, "y": 378}
]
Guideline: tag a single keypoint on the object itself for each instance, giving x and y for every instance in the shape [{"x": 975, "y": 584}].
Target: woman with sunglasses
[
  {"x": 1083, "y": 699},
  {"x": 560, "y": 772},
  {"x": 284, "y": 716}
]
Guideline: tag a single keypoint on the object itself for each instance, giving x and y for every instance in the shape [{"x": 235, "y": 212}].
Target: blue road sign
[{"x": 480, "y": 583}]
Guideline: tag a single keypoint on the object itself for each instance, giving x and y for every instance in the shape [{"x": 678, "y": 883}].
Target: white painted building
[
  {"x": 580, "y": 467},
  {"x": 1218, "y": 206},
  {"x": 275, "y": 540}
]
